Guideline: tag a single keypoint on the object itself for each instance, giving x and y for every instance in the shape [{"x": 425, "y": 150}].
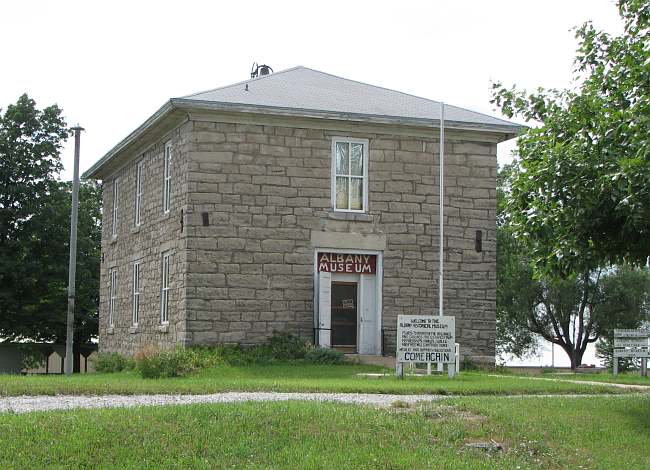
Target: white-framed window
[
  {"x": 167, "y": 177},
  {"x": 116, "y": 202},
  {"x": 136, "y": 293},
  {"x": 349, "y": 174},
  {"x": 139, "y": 184},
  {"x": 112, "y": 296},
  {"x": 164, "y": 288}
]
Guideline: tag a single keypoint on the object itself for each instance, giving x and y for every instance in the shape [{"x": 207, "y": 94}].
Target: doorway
[{"x": 344, "y": 308}]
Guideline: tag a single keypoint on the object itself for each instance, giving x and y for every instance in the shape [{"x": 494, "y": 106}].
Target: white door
[
  {"x": 369, "y": 332},
  {"x": 324, "y": 308}
]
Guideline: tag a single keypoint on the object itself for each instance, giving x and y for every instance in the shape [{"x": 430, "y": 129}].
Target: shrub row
[{"x": 151, "y": 362}]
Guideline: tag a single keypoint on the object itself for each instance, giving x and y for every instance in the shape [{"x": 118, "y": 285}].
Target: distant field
[
  {"x": 533, "y": 432},
  {"x": 289, "y": 378}
]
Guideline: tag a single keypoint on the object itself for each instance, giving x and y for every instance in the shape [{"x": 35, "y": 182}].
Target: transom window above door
[{"x": 349, "y": 174}]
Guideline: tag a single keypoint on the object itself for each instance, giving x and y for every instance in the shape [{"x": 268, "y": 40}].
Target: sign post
[
  {"x": 633, "y": 344},
  {"x": 426, "y": 339}
]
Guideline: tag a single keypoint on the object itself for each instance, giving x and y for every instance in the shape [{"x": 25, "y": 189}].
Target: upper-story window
[
  {"x": 167, "y": 179},
  {"x": 116, "y": 199},
  {"x": 349, "y": 174},
  {"x": 139, "y": 185}
]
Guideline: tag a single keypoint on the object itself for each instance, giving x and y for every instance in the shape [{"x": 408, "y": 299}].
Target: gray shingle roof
[
  {"x": 302, "y": 88},
  {"x": 304, "y": 92}
]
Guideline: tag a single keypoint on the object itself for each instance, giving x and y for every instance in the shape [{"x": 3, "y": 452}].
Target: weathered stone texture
[
  {"x": 157, "y": 233},
  {"x": 264, "y": 190},
  {"x": 268, "y": 188}
]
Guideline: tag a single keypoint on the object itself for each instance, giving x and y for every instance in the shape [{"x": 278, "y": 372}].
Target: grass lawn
[
  {"x": 288, "y": 378},
  {"x": 622, "y": 378},
  {"x": 536, "y": 432}
]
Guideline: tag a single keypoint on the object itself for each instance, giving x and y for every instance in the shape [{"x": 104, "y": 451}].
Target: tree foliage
[
  {"x": 570, "y": 311},
  {"x": 580, "y": 189},
  {"x": 34, "y": 231}
]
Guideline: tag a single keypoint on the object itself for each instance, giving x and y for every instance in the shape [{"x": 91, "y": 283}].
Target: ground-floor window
[
  {"x": 112, "y": 297},
  {"x": 164, "y": 290},
  {"x": 136, "y": 293}
]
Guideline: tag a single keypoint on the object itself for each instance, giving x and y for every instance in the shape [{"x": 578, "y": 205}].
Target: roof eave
[
  {"x": 164, "y": 110},
  {"x": 512, "y": 130},
  {"x": 508, "y": 131}
]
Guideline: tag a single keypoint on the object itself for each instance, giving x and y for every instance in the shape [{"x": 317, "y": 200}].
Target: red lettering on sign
[{"x": 347, "y": 263}]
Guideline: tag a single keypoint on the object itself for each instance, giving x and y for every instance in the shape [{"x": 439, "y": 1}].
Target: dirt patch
[{"x": 443, "y": 411}]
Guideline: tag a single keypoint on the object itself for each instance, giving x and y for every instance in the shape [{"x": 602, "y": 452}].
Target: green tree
[
  {"x": 580, "y": 189},
  {"x": 626, "y": 306},
  {"x": 517, "y": 290},
  {"x": 34, "y": 231},
  {"x": 570, "y": 311}
]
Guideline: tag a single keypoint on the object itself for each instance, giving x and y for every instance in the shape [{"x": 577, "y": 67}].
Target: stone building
[{"x": 297, "y": 201}]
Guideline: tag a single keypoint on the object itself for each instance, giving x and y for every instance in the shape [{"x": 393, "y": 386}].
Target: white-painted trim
[
  {"x": 116, "y": 206},
  {"x": 112, "y": 295},
  {"x": 139, "y": 192},
  {"x": 379, "y": 288},
  {"x": 135, "y": 293},
  {"x": 167, "y": 177},
  {"x": 365, "y": 144},
  {"x": 164, "y": 287}
]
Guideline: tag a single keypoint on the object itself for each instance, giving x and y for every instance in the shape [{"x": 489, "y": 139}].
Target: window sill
[
  {"x": 133, "y": 329},
  {"x": 110, "y": 330},
  {"x": 350, "y": 216},
  {"x": 113, "y": 239},
  {"x": 136, "y": 229},
  {"x": 163, "y": 328}
]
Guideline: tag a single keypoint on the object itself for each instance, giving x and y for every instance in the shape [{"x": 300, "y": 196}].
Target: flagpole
[
  {"x": 441, "y": 250},
  {"x": 442, "y": 209}
]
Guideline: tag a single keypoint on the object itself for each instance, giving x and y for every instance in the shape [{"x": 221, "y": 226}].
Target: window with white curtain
[{"x": 349, "y": 174}]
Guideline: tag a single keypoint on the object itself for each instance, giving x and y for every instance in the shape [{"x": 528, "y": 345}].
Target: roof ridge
[{"x": 245, "y": 81}]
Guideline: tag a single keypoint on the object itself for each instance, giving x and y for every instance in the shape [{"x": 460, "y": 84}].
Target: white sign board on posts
[
  {"x": 426, "y": 338},
  {"x": 630, "y": 333},
  {"x": 635, "y": 353},
  {"x": 630, "y": 342}
]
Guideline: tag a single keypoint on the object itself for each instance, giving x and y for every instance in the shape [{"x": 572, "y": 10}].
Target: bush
[
  {"x": 153, "y": 363},
  {"x": 468, "y": 364},
  {"x": 324, "y": 356},
  {"x": 281, "y": 347},
  {"x": 111, "y": 362},
  {"x": 287, "y": 346}
]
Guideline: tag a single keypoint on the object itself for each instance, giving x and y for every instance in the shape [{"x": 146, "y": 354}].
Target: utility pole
[{"x": 72, "y": 269}]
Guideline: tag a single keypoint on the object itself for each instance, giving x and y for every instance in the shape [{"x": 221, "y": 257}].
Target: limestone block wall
[
  {"x": 259, "y": 194},
  {"x": 158, "y": 233}
]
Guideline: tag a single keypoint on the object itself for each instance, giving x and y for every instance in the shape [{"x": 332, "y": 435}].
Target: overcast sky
[{"x": 110, "y": 65}]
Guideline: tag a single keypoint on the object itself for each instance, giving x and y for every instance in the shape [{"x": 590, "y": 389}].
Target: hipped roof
[{"x": 301, "y": 91}]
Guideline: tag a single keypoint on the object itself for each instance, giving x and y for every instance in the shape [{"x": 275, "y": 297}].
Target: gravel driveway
[{"x": 23, "y": 404}]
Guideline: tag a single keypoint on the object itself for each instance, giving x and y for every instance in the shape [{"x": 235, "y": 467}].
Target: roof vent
[{"x": 260, "y": 70}]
